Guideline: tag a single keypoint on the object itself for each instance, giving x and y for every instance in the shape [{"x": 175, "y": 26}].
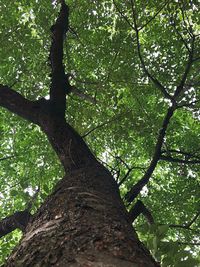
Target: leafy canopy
[{"x": 109, "y": 46}]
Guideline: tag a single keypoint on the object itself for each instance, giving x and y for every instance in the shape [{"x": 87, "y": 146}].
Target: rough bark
[{"x": 83, "y": 223}]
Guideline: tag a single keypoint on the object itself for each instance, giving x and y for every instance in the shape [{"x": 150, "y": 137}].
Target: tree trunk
[{"x": 83, "y": 222}]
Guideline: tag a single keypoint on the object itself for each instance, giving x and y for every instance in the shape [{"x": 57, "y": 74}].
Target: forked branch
[
  {"x": 27, "y": 109},
  {"x": 181, "y": 85},
  {"x": 155, "y": 81},
  {"x": 135, "y": 190},
  {"x": 186, "y": 225}
]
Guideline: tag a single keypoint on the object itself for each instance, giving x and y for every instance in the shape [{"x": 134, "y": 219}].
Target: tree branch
[
  {"x": 103, "y": 124},
  {"x": 127, "y": 174},
  {"x": 122, "y": 15},
  {"x": 181, "y": 85},
  {"x": 180, "y": 152},
  {"x": 188, "y": 105},
  {"x": 18, "y": 220},
  {"x": 155, "y": 81},
  {"x": 171, "y": 159},
  {"x": 139, "y": 208},
  {"x": 59, "y": 83},
  {"x": 17, "y": 104},
  {"x": 5, "y": 158},
  {"x": 82, "y": 95},
  {"x": 188, "y": 243},
  {"x": 179, "y": 33},
  {"x": 193, "y": 220},
  {"x": 154, "y": 16},
  {"x": 186, "y": 225},
  {"x": 135, "y": 190},
  {"x": 186, "y": 23},
  {"x": 189, "y": 158},
  {"x": 180, "y": 226}
]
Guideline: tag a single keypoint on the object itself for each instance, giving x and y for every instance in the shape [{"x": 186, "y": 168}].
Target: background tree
[{"x": 133, "y": 68}]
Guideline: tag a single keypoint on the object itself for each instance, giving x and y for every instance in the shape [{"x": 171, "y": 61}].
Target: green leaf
[
  {"x": 187, "y": 263},
  {"x": 162, "y": 230}
]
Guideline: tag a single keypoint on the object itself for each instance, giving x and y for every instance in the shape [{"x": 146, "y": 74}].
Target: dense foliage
[{"x": 117, "y": 53}]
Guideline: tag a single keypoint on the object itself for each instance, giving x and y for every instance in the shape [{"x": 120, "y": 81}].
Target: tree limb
[
  {"x": 180, "y": 226},
  {"x": 188, "y": 243},
  {"x": 186, "y": 225},
  {"x": 179, "y": 33},
  {"x": 18, "y": 220},
  {"x": 17, "y": 104},
  {"x": 193, "y": 220},
  {"x": 171, "y": 159},
  {"x": 155, "y": 81},
  {"x": 181, "y": 85},
  {"x": 5, "y": 158},
  {"x": 82, "y": 95},
  {"x": 122, "y": 15},
  {"x": 188, "y": 105},
  {"x": 135, "y": 190},
  {"x": 127, "y": 174},
  {"x": 59, "y": 82},
  {"x": 154, "y": 16},
  {"x": 139, "y": 208},
  {"x": 102, "y": 124},
  {"x": 188, "y": 154}
]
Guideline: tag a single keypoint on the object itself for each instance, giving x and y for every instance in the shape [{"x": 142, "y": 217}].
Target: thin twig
[
  {"x": 155, "y": 15},
  {"x": 5, "y": 158},
  {"x": 181, "y": 36},
  {"x": 122, "y": 15},
  {"x": 189, "y": 154},
  {"x": 128, "y": 172},
  {"x": 193, "y": 220},
  {"x": 82, "y": 95},
  {"x": 187, "y": 225},
  {"x": 181, "y": 85},
  {"x": 149, "y": 75},
  {"x": 103, "y": 124},
  {"x": 177, "y": 160}
]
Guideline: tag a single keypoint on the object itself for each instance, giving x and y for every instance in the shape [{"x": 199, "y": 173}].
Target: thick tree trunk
[{"x": 84, "y": 222}]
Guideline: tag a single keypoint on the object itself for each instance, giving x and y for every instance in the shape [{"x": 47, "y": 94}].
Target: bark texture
[{"x": 83, "y": 223}]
